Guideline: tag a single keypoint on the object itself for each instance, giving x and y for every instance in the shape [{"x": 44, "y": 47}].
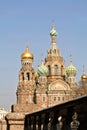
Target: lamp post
[{"x": 75, "y": 123}]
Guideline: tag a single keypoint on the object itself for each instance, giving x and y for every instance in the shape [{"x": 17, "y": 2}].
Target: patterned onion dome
[
  {"x": 42, "y": 69},
  {"x": 53, "y": 32},
  {"x": 71, "y": 70},
  {"x": 27, "y": 55}
]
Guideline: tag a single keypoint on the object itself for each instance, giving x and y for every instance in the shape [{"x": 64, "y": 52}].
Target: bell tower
[
  {"x": 54, "y": 61},
  {"x": 26, "y": 78}
]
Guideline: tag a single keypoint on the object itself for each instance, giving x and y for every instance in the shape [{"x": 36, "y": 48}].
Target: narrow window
[
  {"x": 62, "y": 70},
  {"x": 55, "y": 69},
  {"x": 49, "y": 69},
  {"x": 22, "y": 76},
  {"x": 43, "y": 99},
  {"x": 54, "y": 51},
  {"x": 27, "y": 76},
  {"x": 54, "y": 98}
]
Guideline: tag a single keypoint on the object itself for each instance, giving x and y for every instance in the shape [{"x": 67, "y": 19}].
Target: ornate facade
[{"x": 52, "y": 83}]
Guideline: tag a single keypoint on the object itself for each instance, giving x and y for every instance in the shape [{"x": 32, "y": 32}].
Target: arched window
[
  {"x": 43, "y": 99},
  {"x": 27, "y": 76},
  {"x": 22, "y": 76},
  {"x": 55, "y": 69},
  {"x": 61, "y": 69},
  {"x": 54, "y": 98},
  {"x": 54, "y": 51},
  {"x": 49, "y": 69}
]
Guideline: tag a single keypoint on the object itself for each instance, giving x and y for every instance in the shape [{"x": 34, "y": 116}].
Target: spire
[
  {"x": 70, "y": 59},
  {"x": 83, "y": 69},
  {"x": 53, "y": 32},
  {"x": 53, "y": 24}
]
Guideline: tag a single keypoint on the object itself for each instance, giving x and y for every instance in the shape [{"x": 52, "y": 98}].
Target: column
[
  {"x": 38, "y": 122},
  {"x": 45, "y": 121},
  {"x": 34, "y": 123},
  {"x": 29, "y": 123}
]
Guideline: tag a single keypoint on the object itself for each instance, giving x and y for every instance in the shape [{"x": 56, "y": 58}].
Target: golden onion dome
[
  {"x": 84, "y": 77},
  {"x": 27, "y": 55}
]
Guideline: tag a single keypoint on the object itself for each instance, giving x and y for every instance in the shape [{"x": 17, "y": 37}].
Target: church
[{"x": 51, "y": 84}]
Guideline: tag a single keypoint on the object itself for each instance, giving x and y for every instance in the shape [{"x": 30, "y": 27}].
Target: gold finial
[{"x": 27, "y": 45}]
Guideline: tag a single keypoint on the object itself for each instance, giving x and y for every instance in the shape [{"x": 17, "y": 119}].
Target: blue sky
[{"x": 31, "y": 20}]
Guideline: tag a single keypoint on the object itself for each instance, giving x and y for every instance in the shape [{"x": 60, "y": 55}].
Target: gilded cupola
[
  {"x": 27, "y": 55},
  {"x": 84, "y": 76}
]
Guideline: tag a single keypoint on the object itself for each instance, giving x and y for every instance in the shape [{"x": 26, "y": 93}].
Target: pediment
[{"x": 59, "y": 85}]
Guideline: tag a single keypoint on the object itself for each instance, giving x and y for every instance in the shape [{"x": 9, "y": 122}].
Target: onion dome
[
  {"x": 71, "y": 70},
  {"x": 84, "y": 76},
  {"x": 27, "y": 55},
  {"x": 42, "y": 69},
  {"x": 53, "y": 32}
]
